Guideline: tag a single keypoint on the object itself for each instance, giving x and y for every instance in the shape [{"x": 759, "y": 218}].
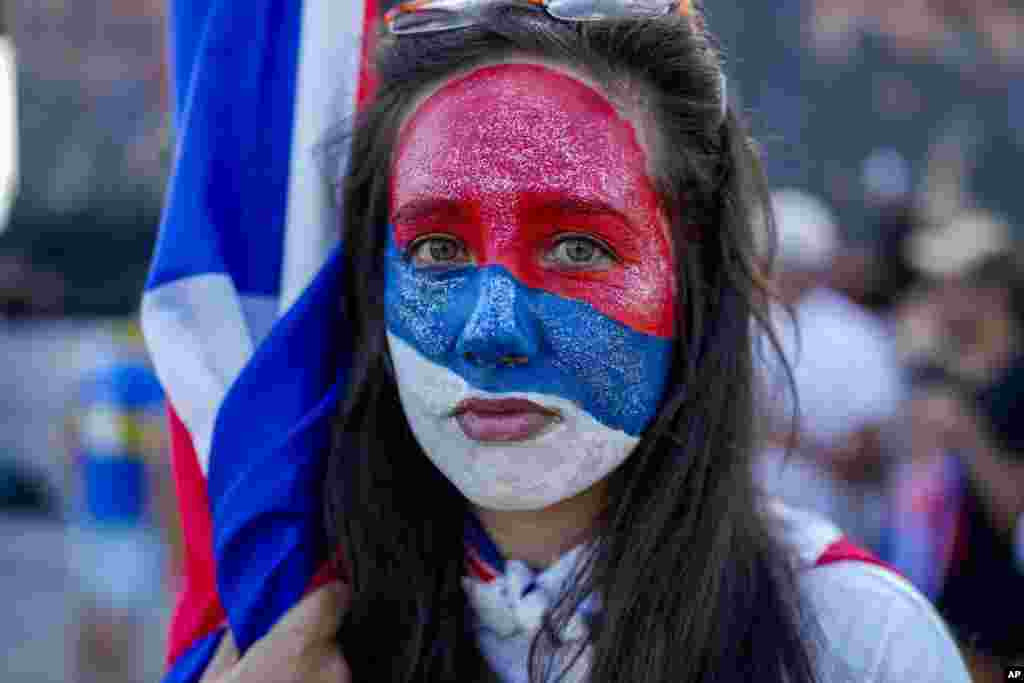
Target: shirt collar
[
  {"x": 510, "y": 598},
  {"x": 484, "y": 560}
]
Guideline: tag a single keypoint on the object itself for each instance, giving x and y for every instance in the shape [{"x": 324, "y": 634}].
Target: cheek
[
  {"x": 618, "y": 375},
  {"x": 427, "y": 310}
]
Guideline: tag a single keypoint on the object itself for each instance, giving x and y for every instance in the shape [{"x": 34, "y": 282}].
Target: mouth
[{"x": 503, "y": 420}]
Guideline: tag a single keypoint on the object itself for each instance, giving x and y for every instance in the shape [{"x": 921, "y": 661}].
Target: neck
[{"x": 540, "y": 537}]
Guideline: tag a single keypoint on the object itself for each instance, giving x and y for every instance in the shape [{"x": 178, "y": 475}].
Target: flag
[{"x": 241, "y": 309}]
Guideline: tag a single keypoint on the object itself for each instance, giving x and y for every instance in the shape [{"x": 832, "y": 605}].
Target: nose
[{"x": 500, "y": 331}]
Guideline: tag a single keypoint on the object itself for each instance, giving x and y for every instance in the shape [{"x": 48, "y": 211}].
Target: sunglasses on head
[{"x": 428, "y": 16}]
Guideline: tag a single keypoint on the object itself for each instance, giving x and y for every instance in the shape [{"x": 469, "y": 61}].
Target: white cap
[
  {"x": 958, "y": 244},
  {"x": 807, "y": 230}
]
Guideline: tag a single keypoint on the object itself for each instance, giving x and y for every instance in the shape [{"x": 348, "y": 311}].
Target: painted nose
[{"x": 500, "y": 331}]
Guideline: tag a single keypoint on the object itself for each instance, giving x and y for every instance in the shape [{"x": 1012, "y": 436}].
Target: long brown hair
[{"x": 693, "y": 585}]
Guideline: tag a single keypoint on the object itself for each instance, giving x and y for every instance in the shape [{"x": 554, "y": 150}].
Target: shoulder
[{"x": 875, "y": 626}]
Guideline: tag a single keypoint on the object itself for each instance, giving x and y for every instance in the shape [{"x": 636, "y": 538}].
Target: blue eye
[
  {"x": 578, "y": 252},
  {"x": 438, "y": 251}
]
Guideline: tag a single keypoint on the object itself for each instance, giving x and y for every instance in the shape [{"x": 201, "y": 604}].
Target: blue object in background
[{"x": 120, "y": 426}]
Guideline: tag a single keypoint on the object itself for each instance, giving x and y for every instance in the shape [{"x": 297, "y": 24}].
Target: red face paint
[{"x": 510, "y": 158}]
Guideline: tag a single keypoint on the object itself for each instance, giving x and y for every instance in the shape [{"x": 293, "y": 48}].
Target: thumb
[
  {"x": 300, "y": 647},
  {"x": 223, "y": 661}
]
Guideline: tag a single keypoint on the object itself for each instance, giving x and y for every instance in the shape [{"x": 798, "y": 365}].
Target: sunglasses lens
[
  {"x": 429, "y": 20},
  {"x": 592, "y": 10}
]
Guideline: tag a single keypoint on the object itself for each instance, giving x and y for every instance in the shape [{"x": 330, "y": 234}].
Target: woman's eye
[
  {"x": 438, "y": 251},
  {"x": 581, "y": 253}
]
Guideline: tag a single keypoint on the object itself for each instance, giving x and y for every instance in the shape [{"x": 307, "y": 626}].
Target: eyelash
[
  {"x": 414, "y": 246},
  {"x": 598, "y": 244},
  {"x": 605, "y": 250}
]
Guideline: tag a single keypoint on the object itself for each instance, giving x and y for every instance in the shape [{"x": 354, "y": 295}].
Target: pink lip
[{"x": 511, "y": 419}]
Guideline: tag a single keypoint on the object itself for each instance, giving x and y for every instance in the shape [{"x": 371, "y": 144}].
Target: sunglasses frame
[{"x": 470, "y": 9}]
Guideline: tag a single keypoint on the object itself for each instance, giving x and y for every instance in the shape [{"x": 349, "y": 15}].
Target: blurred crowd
[
  {"x": 893, "y": 133},
  {"x": 973, "y": 32},
  {"x": 867, "y": 103},
  {"x": 908, "y": 424}
]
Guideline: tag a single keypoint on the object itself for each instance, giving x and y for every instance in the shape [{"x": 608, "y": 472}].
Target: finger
[
  {"x": 335, "y": 670},
  {"x": 223, "y": 660},
  {"x": 291, "y": 654},
  {"x": 319, "y": 614}
]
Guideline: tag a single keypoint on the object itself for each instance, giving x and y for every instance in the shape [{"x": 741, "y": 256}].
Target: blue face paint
[{"x": 613, "y": 372}]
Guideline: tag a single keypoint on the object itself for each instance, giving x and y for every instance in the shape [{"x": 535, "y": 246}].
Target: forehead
[{"x": 518, "y": 126}]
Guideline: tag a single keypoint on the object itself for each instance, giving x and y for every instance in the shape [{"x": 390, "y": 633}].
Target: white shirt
[{"x": 877, "y": 628}]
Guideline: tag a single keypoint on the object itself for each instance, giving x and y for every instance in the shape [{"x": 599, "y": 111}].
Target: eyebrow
[
  {"x": 583, "y": 206},
  {"x": 421, "y": 208},
  {"x": 587, "y": 206},
  {"x": 435, "y": 206}
]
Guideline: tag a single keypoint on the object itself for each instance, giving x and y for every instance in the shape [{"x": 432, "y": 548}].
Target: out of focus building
[
  {"x": 94, "y": 135},
  {"x": 92, "y": 143},
  {"x": 850, "y": 97}
]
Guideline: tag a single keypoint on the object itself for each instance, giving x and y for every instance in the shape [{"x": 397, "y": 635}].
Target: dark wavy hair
[{"x": 694, "y": 585}]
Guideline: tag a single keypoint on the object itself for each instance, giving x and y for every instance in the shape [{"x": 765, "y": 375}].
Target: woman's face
[{"x": 530, "y": 284}]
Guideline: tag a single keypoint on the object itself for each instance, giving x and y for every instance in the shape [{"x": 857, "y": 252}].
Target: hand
[
  {"x": 857, "y": 458},
  {"x": 299, "y": 649}
]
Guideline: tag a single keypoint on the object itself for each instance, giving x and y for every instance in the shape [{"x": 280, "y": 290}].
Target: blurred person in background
[
  {"x": 118, "y": 537},
  {"x": 870, "y": 267},
  {"x": 848, "y": 384},
  {"x": 957, "y": 527}
]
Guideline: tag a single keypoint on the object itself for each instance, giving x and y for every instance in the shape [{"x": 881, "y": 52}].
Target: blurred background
[{"x": 893, "y": 136}]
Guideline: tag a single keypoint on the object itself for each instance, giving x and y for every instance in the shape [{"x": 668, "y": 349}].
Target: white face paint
[{"x": 564, "y": 460}]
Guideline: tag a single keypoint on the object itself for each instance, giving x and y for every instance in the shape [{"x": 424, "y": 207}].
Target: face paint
[{"x": 528, "y": 259}]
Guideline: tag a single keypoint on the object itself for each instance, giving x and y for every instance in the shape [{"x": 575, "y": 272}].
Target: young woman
[{"x": 541, "y": 469}]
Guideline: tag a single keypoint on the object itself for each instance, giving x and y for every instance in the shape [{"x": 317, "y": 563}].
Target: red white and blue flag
[{"x": 241, "y": 308}]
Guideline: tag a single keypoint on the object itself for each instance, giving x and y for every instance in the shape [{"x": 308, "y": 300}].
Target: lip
[
  {"x": 503, "y": 420},
  {"x": 498, "y": 406}
]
